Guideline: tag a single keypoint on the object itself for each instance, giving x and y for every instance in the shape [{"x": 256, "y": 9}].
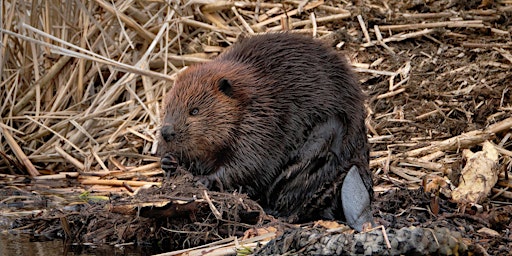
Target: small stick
[
  {"x": 61, "y": 175},
  {"x": 432, "y": 156},
  {"x": 70, "y": 158},
  {"x": 377, "y": 72},
  {"x": 318, "y": 20},
  {"x": 427, "y": 15},
  {"x": 98, "y": 159},
  {"x": 385, "y": 235},
  {"x": 313, "y": 23},
  {"x": 502, "y": 192},
  {"x": 424, "y": 116},
  {"x": 500, "y": 32},
  {"x": 43, "y": 81},
  {"x": 363, "y": 27},
  {"x": 400, "y": 37},
  {"x": 206, "y": 26},
  {"x": 506, "y": 54},
  {"x": 224, "y": 5},
  {"x": 212, "y": 207},
  {"x": 242, "y": 20},
  {"x": 333, "y": 9},
  {"x": 286, "y": 14},
  {"x": 450, "y": 24},
  {"x": 417, "y": 162},
  {"x": 119, "y": 183},
  {"x": 391, "y": 93},
  {"x": 402, "y": 172},
  {"x": 461, "y": 141},
  {"x": 486, "y": 45},
  {"x": 215, "y": 19},
  {"x": 216, "y": 6},
  {"x": 500, "y": 126}
]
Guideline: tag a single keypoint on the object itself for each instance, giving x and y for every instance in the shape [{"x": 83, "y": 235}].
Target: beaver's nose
[{"x": 168, "y": 133}]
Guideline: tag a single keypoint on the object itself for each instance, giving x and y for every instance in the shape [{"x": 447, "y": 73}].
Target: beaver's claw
[{"x": 168, "y": 163}]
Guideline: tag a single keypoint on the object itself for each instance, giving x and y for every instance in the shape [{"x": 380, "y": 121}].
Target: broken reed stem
[
  {"x": 427, "y": 15},
  {"x": 449, "y": 24},
  {"x": 500, "y": 126},
  {"x": 215, "y": 212},
  {"x": 119, "y": 183},
  {"x": 18, "y": 152},
  {"x": 399, "y": 37},
  {"x": 60, "y": 175},
  {"x": 308, "y": 6},
  {"x": 69, "y": 158},
  {"x": 464, "y": 140},
  {"x": 206, "y": 26},
  {"x": 242, "y": 20},
  {"x": 390, "y": 94},
  {"x": 318, "y": 21},
  {"x": 363, "y": 28},
  {"x": 224, "y": 5}
]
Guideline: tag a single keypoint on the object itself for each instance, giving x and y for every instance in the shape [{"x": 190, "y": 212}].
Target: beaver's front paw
[
  {"x": 169, "y": 163},
  {"x": 205, "y": 181},
  {"x": 211, "y": 182}
]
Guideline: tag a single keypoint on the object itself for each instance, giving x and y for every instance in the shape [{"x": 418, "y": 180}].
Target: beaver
[{"x": 279, "y": 117}]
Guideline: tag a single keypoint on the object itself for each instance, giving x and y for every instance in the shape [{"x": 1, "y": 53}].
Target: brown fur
[{"x": 279, "y": 116}]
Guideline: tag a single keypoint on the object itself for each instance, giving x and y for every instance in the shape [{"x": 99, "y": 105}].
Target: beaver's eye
[{"x": 194, "y": 112}]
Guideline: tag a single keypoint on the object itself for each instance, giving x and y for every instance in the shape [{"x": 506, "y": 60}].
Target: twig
[
  {"x": 212, "y": 206},
  {"x": 260, "y": 25},
  {"x": 363, "y": 28},
  {"x": 119, "y": 183},
  {"x": 449, "y": 24},
  {"x": 69, "y": 158}
]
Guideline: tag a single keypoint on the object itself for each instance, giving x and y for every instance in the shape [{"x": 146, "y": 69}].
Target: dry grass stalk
[
  {"x": 399, "y": 37},
  {"x": 132, "y": 183},
  {"x": 449, "y": 24}
]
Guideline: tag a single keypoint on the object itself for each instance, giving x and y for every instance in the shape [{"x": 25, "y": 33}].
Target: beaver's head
[{"x": 202, "y": 113}]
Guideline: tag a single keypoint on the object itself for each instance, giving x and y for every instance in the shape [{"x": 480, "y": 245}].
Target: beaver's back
[{"x": 305, "y": 77}]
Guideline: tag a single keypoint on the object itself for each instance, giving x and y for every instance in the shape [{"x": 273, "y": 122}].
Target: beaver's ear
[{"x": 225, "y": 87}]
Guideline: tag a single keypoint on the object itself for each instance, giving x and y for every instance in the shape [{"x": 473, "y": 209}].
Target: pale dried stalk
[
  {"x": 399, "y": 37},
  {"x": 449, "y": 24},
  {"x": 18, "y": 152},
  {"x": 70, "y": 158},
  {"x": 118, "y": 182},
  {"x": 309, "y": 6}
]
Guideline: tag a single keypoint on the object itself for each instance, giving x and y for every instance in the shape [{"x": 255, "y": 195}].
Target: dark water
[
  {"x": 23, "y": 244},
  {"x": 15, "y": 243},
  {"x": 12, "y": 244}
]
